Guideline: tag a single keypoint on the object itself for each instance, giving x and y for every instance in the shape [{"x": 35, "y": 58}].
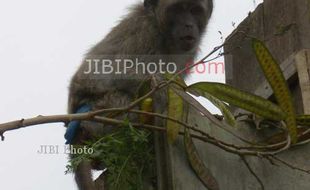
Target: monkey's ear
[{"x": 150, "y": 3}]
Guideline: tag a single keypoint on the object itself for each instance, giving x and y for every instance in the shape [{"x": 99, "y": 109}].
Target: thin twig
[
  {"x": 289, "y": 164},
  {"x": 252, "y": 172}
]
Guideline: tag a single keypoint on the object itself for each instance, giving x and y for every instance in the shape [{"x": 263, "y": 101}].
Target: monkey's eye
[
  {"x": 196, "y": 10},
  {"x": 176, "y": 9}
]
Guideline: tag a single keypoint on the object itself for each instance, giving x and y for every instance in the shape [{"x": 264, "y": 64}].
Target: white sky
[{"x": 41, "y": 46}]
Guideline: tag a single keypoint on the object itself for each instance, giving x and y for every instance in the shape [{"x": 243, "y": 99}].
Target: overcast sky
[{"x": 41, "y": 46}]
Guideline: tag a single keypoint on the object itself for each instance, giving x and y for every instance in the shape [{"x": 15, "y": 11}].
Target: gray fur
[{"x": 141, "y": 33}]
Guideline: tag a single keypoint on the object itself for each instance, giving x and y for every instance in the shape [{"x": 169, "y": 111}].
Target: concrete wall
[{"x": 290, "y": 48}]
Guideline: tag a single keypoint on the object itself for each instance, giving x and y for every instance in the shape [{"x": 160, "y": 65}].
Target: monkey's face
[{"x": 185, "y": 23}]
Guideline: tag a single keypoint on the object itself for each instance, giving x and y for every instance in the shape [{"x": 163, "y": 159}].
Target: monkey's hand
[{"x": 73, "y": 126}]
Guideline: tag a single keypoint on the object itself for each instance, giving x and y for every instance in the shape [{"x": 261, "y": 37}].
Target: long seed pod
[
  {"x": 278, "y": 83},
  {"x": 241, "y": 99},
  {"x": 175, "y": 110},
  {"x": 147, "y": 106},
  {"x": 303, "y": 120},
  {"x": 197, "y": 164},
  {"x": 228, "y": 116}
]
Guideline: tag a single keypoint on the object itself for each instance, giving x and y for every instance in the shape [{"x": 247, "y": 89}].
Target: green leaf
[
  {"x": 278, "y": 83},
  {"x": 241, "y": 99}
]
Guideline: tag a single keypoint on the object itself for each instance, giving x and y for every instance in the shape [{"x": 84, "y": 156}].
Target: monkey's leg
[
  {"x": 83, "y": 176},
  {"x": 100, "y": 182}
]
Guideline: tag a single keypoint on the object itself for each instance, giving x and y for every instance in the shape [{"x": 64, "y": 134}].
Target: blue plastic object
[{"x": 73, "y": 126}]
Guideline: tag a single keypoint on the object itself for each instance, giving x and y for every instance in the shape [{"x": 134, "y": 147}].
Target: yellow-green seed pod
[{"x": 278, "y": 83}]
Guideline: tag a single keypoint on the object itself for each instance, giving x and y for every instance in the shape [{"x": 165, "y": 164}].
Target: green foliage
[
  {"x": 127, "y": 154},
  {"x": 275, "y": 77},
  {"x": 229, "y": 117},
  {"x": 241, "y": 99},
  {"x": 303, "y": 120},
  {"x": 203, "y": 173},
  {"x": 175, "y": 110}
]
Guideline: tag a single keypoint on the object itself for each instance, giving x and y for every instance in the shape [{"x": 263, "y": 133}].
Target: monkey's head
[{"x": 182, "y": 22}]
